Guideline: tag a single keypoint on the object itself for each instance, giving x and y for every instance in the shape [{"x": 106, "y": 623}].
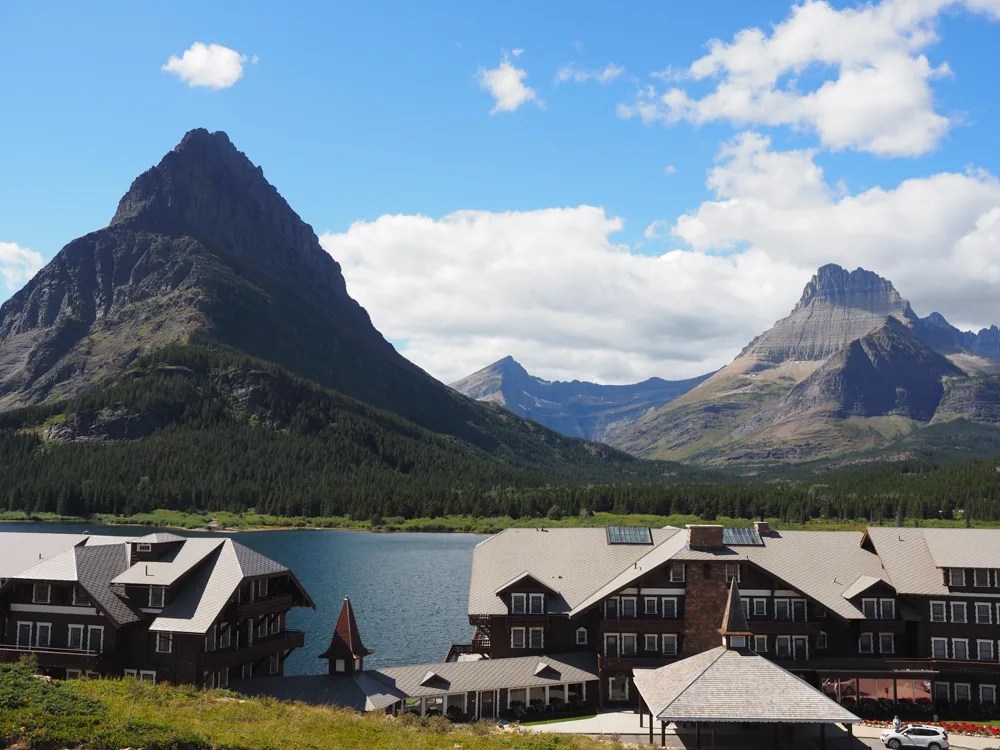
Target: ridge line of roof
[{"x": 722, "y": 652}]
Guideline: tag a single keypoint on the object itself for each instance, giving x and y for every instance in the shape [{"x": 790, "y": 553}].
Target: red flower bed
[{"x": 967, "y": 728}]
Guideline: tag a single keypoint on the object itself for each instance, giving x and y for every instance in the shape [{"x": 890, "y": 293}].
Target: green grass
[
  {"x": 539, "y": 722},
  {"x": 112, "y": 714}
]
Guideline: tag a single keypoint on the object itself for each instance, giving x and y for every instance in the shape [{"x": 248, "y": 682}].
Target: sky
[{"x": 605, "y": 191}]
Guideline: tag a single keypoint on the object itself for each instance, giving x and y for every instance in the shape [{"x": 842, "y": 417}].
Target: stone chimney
[
  {"x": 704, "y": 536},
  {"x": 761, "y": 527}
]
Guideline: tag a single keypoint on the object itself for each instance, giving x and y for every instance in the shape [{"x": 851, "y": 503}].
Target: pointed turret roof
[
  {"x": 346, "y": 640},
  {"x": 734, "y": 622}
]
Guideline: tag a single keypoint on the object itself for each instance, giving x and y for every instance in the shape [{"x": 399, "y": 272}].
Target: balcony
[
  {"x": 49, "y": 658},
  {"x": 642, "y": 625},
  {"x": 617, "y": 663},
  {"x": 266, "y": 606},
  {"x": 231, "y": 657},
  {"x": 783, "y": 627},
  {"x": 529, "y": 621}
]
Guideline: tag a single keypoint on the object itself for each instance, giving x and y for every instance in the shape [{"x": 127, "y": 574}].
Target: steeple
[
  {"x": 346, "y": 653},
  {"x": 734, "y": 630}
]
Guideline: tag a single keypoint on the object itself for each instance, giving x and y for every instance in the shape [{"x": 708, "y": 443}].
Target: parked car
[{"x": 915, "y": 735}]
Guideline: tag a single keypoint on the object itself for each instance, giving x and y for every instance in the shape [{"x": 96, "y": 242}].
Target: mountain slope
[{"x": 577, "y": 408}]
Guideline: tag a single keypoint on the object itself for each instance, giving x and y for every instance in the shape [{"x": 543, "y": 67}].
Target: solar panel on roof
[
  {"x": 742, "y": 538},
  {"x": 629, "y": 535}
]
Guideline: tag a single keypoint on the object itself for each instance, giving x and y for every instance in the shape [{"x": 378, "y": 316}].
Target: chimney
[
  {"x": 704, "y": 536},
  {"x": 761, "y": 527}
]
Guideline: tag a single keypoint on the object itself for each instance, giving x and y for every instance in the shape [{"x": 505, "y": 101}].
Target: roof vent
[
  {"x": 432, "y": 677},
  {"x": 546, "y": 670}
]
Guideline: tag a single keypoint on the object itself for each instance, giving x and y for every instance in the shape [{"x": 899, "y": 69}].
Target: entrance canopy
[{"x": 734, "y": 685}]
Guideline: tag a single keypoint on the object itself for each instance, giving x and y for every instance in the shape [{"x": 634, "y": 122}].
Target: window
[
  {"x": 93, "y": 675},
  {"x": 536, "y": 637},
  {"x": 164, "y": 643},
  {"x": 963, "y": 691},
  {"x": 628, "y": 606},
  {"x": 537, "y": 604},
  {"x": 866, "y": 644},
  {"x": 341, "y": 665},
  {"x": 941, "y": 691},
  {"x": 144, "y": 547},
  {"x": 581, "y": 637},
  {"x": 73, "y": 674},
  {"x": 886, "y": 643},
  {"x": 781, "y": 610},
  {"x": 737, "y": 641},
  {"x": 41, "y": 593},
  {"x": 760, "y": 644},
  {"x": 517, "y": 638},
  {"x": 75, "y": 640},
  {"x": 131, "y": 673},
  {"x": 518, "y": 604},
  {"x": 983, "y": 613},
  {"x": 939, "y": 648},
  {"x": 147, "y": 675},
  {"x": 677, "y": 573},
  {"x": 611, "y": 644},
  {"x": 224, "y": 635},
  {"x": 611, "y": 608},
  {"x": 156, "y": 597},
  {"x": 275, "y": 624},
  {"x": 783, "y": 646},
  {"x": 956, "y": 576},
  {"x": 43, "y": 634},
  {"x": 652, "y": 642},
  {"x": 649, "y": 605},
  {"x": 958, "y": 612},
  {"x": 79, "y": 597},
  {"x": 669, "y": 608},
  {"x": 262, "y": 627},
  {"x": 629, "y": 645},
  {"x": 981, "y": 578},
  {"x": 262, "y": 588},
  {"x": 246, "y": 671},
  {"x": 959, "y": 648},
  {"x": 984, "y": 650},
  {"x": 224, "y": 677},
  {"x": 274, "y": 664},
  {"x": 821, "y": 640},
  {"x": 670, "y": 644},
  {"x": 732, "y": 571},
  {"x": 869, "y": 607},
  {"x": 95, "y": 638},
  {"x": 888, "y": 609},
  {"x": 987, "y": 694},
  {"x": 938, "y": 612},
  {"x": 745, "y": 604},
  {"x": 799, "y": 610},
  {"x": 357, "y": 665},
  {"x": 210, "y": 639},
  {"x": 760, "y": 607}
]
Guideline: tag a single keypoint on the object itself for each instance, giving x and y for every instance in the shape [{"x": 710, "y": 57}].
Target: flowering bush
[{"x": 967, "y": 728}]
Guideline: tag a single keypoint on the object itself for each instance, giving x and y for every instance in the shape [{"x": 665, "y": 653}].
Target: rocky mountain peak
[{"x": 859, "y": 289}]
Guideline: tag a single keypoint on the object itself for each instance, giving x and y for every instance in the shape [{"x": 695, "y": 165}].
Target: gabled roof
[
  {"x": 346, "y": 641},
  {"x": 97, "y": 566},
  {"x": 525, "y": 576},
  {"x": 167, "y": 572},
  {"x": 728, "y": 685},
  {"x": 861, "y": 585},
  {"x": 60, "y": 567},
  {"x": 734, "y": 622},
  {"x": 907, "y": 560},
  {"x": 22, "y": 550},
  {"x": 964, "y": 548},
  {"x": 160, "y": 537}
]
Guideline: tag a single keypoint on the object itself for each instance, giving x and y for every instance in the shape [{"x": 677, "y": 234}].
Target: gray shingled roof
[
  {"x": 21, "y": 550},
  {"x": 728, "y": 685},
  {"x": 574, "y": 562},
  {"x": 60, "y": 567},
  {"x": 907, "y": 560},
  {"x": 964, "y": 548},
  {"x": 860, "y": 586},
  {"x": 160, "y": 537},
  {"x": 96, "y": 567},
  {"x": 167, "y": 572}
]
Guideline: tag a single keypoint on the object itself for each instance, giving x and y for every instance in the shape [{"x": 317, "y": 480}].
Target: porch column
[
  {"x": 850, "y": 735},
  {"x": 713, "y": 737},
  {"x": 697, "y": 735},
  {"x": 822, "y": 737},
  {"x": 775, "y": 737},
  {"x": 642, "y": 709},
  {"x": 650, "y": 727}
]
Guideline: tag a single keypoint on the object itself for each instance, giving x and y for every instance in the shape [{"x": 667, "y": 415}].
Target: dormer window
[
  {"x": 41, "y": 593},
  {"x": 888, "y": 609},
  {"x": 677, "y": 573},
  {"x": 869, "y": 607},
  {"x": 956, "y": 577},
  {"x": 144, "y": 547},
  {"x": 536, "y": 603},
  {"x": 981, "y": 578},
  {"x": 581, "y": 637},
  {"x": 156, "y": 597},
  {"x": 519, "y": 604}
]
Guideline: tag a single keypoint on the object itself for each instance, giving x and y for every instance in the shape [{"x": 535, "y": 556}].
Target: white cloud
[
  {"x": 211, "y": 66},
  {"x": 553, "y": 288},
  {"x": 17, "y": 264},
  {"x": 505, "y": 83},
  {"x": 670, "y": 169},
  {"x": 876, "y": 97},
  {"x": 577, "y": 75}
]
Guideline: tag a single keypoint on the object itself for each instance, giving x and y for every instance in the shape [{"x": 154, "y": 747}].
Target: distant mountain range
[{"x": 577, "y": 408}]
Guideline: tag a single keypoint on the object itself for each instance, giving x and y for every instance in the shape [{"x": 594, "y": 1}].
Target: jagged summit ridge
[{"x": 861, "y": 289}]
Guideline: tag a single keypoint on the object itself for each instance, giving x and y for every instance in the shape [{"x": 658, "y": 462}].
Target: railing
[
  {"x": 461, "y": 649},
  {"x": 783, "y": 627},
  {"x": 230, "y": 657},
  {"x": 628, "y": 662},
  {"x": 264, "y": 606},
  {"x": 642, "y": 625},
  {"x": 50, "y": 656}
]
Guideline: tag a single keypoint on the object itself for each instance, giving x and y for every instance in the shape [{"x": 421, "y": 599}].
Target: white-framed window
[
  {"x": 760, "y": 607},
  {"x": 93, "y": 675},
  {"x": 886, "y": 643},
  {"x": 75, "y": 640},
  {"x": 981, "y": 578},
  {"x": 519, "y": 604},
  {"x": 649, "y": 605},
  {"x": 737, "y": 641},
  {"x": 339, "y": 666},
  {"x": 782, "y": 610},
  {"x": 225, "y": 636},
  {"x": 275, "y": 624},
  {"x": 799, "y": 610},
  {"x": 536, "y": 637},
  {"x": 628, "y": 606},
  {"x": 274, "y": 663},
  {"x": 262, "y": 627},
  {"x": 677, "y": 573},
  {"x": 156, "y": 597},
  {"x": 760, "y": 644},
  {"x": 131, "y": 673},
  {"x": 611, "y": 644},
  {"x": 536, "y": 604},
  {"x": 630, "y": 644},
  {"x": 869, "y": 608},
  {"x": 670, "y": 644},
  {"x": 80, "y": 598},
  {"x": 732, "y": 571},
  {"x": 983, "y": 613},
  {"x": 984, "y": 650},
  {"x": 987, "y": 694},
  {"x": 73, "y": 674},
  {"x": 669, "y": 607},
  {"x": 261, "y": 591},
  {"x": 144, "y": 547},
  {"x": 745, "y": 605},
  {"x": 246, "y": 670},
  {"x": 939, "y": 648},
  {"x": 164, "y": 643},
  {"x": 783, "y": 646},
  {"x": 517, "y": 638},
  {"x": 866, "y": 643},
  {"x": 147, "y": 675},
  {"x": 652, "y": 642},
  {"x": 611, "y": 608},
  {"x": 960, "y": 648},
  {"x": 939, "y": 612},
  {"x": 958, "y": 612},
  {"x": 95, "y": 638},
  {"x": 43, "y": 634},
  {"x": 888, "y": 609},
  {"x": 210, "y": 639},
  {"x": 821, "y": 640},
  {"x": 956, "y": 577},
  {"x": 224, "y": 677},
  {"x": 581, "y": 636},
  {"x": 41, "y": 593},
  {"x": 963, "y": 691}
]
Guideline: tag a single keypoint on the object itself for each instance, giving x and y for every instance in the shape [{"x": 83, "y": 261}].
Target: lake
[{"x": 410, "y": 591}]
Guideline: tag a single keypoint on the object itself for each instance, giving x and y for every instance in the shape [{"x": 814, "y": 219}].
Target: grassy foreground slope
[{"x": 114, "y": 714}]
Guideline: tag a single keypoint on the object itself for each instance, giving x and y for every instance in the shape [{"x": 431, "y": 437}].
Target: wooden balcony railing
[
  {"x": 49, "y": 657},
  {"x": 231, "y": 657},
  {"x": 783, "y": 627},
  {"x": 264, "y": 606},
  {"x": 629, "y": 662},
  {"x": 641, "y": 625}
]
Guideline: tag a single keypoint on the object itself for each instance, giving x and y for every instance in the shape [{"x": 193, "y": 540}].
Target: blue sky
[{"x": 372, "y": 110}]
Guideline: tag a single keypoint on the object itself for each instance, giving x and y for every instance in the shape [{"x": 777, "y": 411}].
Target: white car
[{"x": 915, "y": 735}]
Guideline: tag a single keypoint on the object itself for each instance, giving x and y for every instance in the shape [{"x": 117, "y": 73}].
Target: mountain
[
  {"x": 851, "y": 370},
  {"x": 203, "y": 251},
  {"x": 577, "y": 408}
]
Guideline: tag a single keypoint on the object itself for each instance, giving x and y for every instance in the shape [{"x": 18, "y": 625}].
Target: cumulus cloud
[
  {"x": 17, "y": 264},
  {"x": 876, "y": 94},
  {"x": 670, "y": 169},
  {"x": 555, "y": 289},
  {"x": 578, "y": 75},
  {"x": 505, "y": 83},
  {"x": 208, "y": 65}
]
